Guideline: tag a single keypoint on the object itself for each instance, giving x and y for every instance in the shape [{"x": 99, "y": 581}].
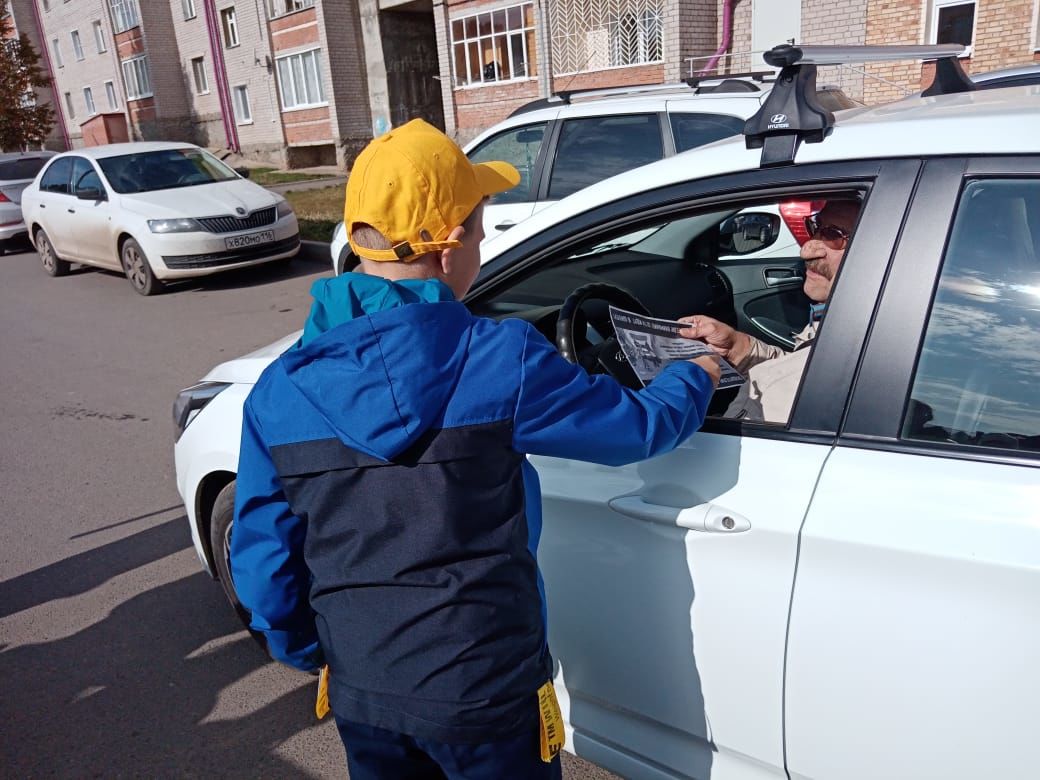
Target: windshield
[
  {"x": 21, "y": 168},
  {"x": 163, "y": 170}
]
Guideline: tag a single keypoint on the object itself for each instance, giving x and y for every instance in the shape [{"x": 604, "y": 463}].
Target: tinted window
[
  {"x": 22, "y": 168},
  {"x": 520, "y": 147},
  {"x": 976, "y": 380},
  {"x": 163, "y": 170},
  {"x": 81, "y": 167},
  {"x": 592, "y": 149},
  {"x": 693, "y": 130},
  {"x": 56, "y": 178}
]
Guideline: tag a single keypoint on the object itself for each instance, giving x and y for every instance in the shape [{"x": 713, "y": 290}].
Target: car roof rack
[
  {"x": 791, "y": 113},
  {"x": 725, "y": 83}
]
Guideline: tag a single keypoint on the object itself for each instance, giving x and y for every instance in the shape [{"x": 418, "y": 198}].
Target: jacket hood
[{"x": 379, "y": 359}]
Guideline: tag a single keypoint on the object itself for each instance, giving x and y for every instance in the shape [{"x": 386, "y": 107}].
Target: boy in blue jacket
[{"x": 386, "y": 517}]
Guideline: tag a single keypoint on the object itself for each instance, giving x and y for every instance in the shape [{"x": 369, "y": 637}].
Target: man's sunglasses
[{"x": 831, "y": 235}]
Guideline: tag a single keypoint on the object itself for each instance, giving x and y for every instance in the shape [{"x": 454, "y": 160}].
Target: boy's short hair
[{"x": 412, "y": 187}]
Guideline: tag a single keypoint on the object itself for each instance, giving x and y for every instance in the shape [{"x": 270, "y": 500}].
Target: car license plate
[{"x": 252, "y": 239}]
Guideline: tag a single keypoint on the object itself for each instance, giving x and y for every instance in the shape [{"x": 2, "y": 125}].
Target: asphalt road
[{"x": 118, "y": 655}]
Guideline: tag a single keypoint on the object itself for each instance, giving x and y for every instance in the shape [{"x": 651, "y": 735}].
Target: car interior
[{"x": 738, "y": 264}]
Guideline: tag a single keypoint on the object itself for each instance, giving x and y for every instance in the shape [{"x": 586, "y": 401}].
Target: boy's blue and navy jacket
[{"x": 386, "y": 519}]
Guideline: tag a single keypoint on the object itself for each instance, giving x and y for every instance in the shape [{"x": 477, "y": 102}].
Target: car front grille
[
  {"x": 216, "y": 259},
  {"x": 231, "y": 224}
]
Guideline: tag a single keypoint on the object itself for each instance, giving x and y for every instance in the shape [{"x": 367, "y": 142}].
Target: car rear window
[
  {"x": 21, "y": 168},
  {"x": 163, "y": 169}
]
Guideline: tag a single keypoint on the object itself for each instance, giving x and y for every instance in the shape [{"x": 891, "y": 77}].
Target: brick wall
[
  {"x": 346, "y": 87},
  {"x": 477, "y": 108},
  {"x": 841, "y": 23},
  {"x": 192, "y": 39},
  {"x": 1003, "y": 37},
  {"x": 690, "y": 30}
]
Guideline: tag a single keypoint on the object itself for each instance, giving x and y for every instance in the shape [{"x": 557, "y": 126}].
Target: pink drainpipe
[
  {"x": 227, "y": 113},
  {"x": 727, "y": 32}
]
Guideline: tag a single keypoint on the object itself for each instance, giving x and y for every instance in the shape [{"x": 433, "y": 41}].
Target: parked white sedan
[{"x": 156, "y": 211}]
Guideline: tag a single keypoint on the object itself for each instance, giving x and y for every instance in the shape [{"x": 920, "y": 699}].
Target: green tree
[{"x": 23, "y": 123}]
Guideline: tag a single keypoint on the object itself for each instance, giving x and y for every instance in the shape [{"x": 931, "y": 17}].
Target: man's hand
[
  {"x": 732, "y": 344},
  {"x": 710, "y": 364}
]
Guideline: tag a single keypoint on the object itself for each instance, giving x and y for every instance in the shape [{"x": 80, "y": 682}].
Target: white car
[
  {"x": 851, "y": 593},
  {"x": 17, "y": 170},
  {"x": 566, "y": 142},
  {"x": 156, "y": 211}
]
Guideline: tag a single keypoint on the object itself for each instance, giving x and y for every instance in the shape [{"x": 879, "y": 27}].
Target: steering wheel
[{"x": 576, "y": 314}]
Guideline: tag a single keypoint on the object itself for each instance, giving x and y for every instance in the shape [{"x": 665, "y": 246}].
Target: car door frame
[{"x": 884, "y": 376}]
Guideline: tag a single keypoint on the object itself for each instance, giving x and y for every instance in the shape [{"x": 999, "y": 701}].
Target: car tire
[
  {"x": 220, "y": 527},
  {"x": 52, "y": 264},
  {"x": 137, "y": 269}
]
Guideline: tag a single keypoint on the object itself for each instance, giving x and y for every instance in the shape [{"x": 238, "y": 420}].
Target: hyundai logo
[
  {"x": 240, "y": 211},
  {"x": 777, "y": 119}
]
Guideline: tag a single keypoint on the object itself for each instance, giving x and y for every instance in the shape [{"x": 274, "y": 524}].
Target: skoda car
[
  {"x": 847, "y": 593},
  {"x": 155, "y": 211}
]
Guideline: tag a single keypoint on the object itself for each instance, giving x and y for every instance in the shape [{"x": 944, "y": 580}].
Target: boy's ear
[{"x": 447, "y": 260}]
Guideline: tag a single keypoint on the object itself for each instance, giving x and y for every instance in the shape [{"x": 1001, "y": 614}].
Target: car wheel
[
  {"x": 220, "y": 527},
  {"x": 138, "y": 270},
  {"x": 52, "y": 264}
]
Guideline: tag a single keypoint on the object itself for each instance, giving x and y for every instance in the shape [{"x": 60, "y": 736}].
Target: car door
[
  {"x": 52, "y": 201},
  {"x": 913, "y": 635},
  {"x": 669, "y": 581},
  {"x": 524, "y": 147},
  {"x": 90, "y": 219}
]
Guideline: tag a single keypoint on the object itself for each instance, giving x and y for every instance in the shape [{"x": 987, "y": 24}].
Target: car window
[
  {"x": 21, "y": 168},
  {"x": 56, "y": 177},
  {"x": 81, "y": 168},
  {"x": 594, "y": 148},
  {"x": 693, "y": 130},
  {"x": 164, "y": 169},
  {"x": 520, "y": 147},
  {"x": 975, "y": 382}
]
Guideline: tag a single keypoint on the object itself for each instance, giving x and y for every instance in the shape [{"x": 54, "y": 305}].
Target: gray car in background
[{"x": 17, "y": 170}]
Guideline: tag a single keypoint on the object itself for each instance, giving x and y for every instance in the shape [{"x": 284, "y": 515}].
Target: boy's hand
[{"x": 709, "y": 363}]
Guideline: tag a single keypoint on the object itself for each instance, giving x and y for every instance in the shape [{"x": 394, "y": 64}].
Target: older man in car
[{"x": 773, "y": 374}]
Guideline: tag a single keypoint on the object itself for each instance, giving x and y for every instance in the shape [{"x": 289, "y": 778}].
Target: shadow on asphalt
[{"x": 130, "y": 695}]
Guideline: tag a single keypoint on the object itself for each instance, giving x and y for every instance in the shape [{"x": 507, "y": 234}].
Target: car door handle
[
  {"x": 71, "y": 211},
  {"x": 504, "y": 225},
  {"x": 775, "y": 276},
  {"x": 703, "y": 517}
]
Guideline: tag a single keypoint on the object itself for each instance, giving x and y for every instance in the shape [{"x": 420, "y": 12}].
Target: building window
[
  {"x": 56, "y": 48},
  {"x": 188, "y": 6},
  {"x": 605, "y": 33},
  {"x": 229, "y": 25},
  {"x": 88, "y": 98},
  {"x": 953, "y": 21},
  {"x": 494, "y": 45},
  {"x": 77, "y": 44},
  {"x": 110, "y": 93},
  {"x": 99, "y": 38},
  {"x": 276, "y": 8},
  {"x": 135, "y": 78},
  {"x": 198, "y": 72},
  {"x": 71, "y": 109},
  {"x": 300, "y": 80},
  {"x": 125, "y": 15},
  {"x": 240, "y": 98}
]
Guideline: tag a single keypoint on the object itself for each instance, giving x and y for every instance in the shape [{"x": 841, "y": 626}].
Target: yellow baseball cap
[{"x": 414, "y": 185}]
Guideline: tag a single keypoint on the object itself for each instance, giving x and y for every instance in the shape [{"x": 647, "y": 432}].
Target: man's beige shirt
[{"x": 773, "y": 377}]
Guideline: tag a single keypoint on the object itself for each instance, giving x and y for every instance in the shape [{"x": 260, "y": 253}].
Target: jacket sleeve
[
  {"x": 759, "y": 353},
  {"x": 270, "y": 575},
  {"x": 564, "y": 412}
]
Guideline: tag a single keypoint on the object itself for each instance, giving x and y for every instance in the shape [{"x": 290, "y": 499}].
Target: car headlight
[
  {"x": 191, "y": 401},
  {"x": 284, "y": 209},
  {"x": 182, "y": 225}
]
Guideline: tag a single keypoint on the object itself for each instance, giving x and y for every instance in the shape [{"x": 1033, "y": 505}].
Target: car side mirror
[
  {"x": 747, "y": 232},
  {"x": 91, "y": 193},
  {"x": 243, "y": 172}
]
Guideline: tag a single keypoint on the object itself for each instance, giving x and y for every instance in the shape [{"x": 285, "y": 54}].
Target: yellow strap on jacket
[
  {"x": 321, "y": 706},
  {"x": 551, "y": 722}
]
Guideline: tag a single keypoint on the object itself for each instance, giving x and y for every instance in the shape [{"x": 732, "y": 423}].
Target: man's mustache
[{"x": 818, "y": 267}]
